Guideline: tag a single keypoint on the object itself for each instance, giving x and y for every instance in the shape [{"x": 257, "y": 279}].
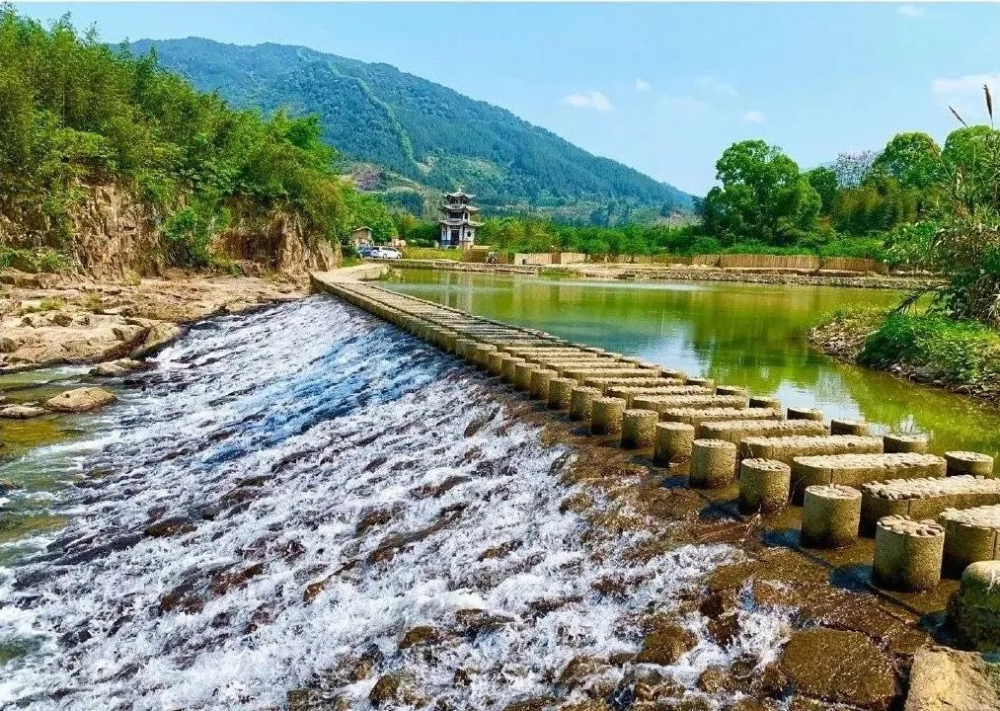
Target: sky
[{"x": 664, "y": 88}]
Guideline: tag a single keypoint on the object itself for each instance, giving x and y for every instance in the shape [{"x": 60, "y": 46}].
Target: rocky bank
[{"x": 48, "y": 320}]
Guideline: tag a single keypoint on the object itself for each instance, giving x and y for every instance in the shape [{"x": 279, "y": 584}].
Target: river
[
  {"x": 289, "y": 493},
  {"x": 754, "y": 335}
]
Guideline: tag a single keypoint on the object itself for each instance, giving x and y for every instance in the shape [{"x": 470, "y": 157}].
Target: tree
[
  {"x": 853, "y": 168},
  {"x": 972, "y": 156},
  {"x": 824, "y": 182},
  {"x": 913, "y": 159},
  {"x": 763, "y": 197}
]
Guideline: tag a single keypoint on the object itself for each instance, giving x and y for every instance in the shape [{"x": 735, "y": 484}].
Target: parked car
[
  {"x": 365, "y": 251},
  {"x": 385, "y": 253}
]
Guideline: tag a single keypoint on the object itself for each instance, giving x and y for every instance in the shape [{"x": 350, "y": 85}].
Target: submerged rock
[
  {"x": 395, "y": 687},
  {"x": 666, "y": 643},
  {"x": 840, "y": 667},
  {"x": 80, "y": 400},
  {"x": 21, "y": 412}
]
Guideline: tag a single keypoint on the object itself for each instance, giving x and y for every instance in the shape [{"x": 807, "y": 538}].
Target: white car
[{"x": 385, "y": 253}]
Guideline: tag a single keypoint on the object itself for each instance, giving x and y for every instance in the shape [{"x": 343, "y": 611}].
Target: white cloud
[
  {"x": 642, "y": 85},
  {"x": 965, "y": 93},
  {"x": 754, "y": 117},
  {"x": 719, "y": 87},
  {"x": 911, "y": 11},
  {"x": 588, "y": 100}
]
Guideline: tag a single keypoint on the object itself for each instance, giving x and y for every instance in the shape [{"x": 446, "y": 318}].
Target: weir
[{"x": 734, "y": 438}]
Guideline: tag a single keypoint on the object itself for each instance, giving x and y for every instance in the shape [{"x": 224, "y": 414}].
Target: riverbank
[
  {"x": 48, "y": 319},
  {"x": 653, "y": 273},
  {"x": 962, "y": 358}
]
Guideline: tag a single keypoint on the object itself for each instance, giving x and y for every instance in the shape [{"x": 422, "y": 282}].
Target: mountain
[{"x": 427, "y": 137}]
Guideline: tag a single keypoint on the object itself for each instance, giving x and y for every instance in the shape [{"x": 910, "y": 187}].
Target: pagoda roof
[
  {"x": 460, "y": 194},
  {"x": 459, "y": 208},
  {"x": 460, "y": 222}
]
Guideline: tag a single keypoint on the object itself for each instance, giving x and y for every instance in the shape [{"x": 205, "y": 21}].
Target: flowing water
[
  {"x": 289, "y": 492},
  {"x": 742, "y": 334}
]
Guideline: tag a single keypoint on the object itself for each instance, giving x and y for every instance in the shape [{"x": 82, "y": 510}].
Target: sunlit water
[
  {"x": 271, "y": 437},
  {"x": 742, "y": 334}
]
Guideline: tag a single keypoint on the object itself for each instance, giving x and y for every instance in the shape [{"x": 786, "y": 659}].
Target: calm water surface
[{"x": 746, "y": 334}]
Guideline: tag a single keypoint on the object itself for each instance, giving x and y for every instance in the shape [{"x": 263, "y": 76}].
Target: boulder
[
  {"x": 21, "y": 412},
  {"x": 839, "y": 667},
  {"x": 666, "y": 643},
  {"x": 80, "y": 400},
  {"x": 159, "y": 335},
  {"x": 116, "y": 368},
  {"x": 947, "y": 680}
]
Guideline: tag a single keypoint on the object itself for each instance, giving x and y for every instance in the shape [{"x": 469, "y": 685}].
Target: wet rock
[
  {"x": 840, "y": 667},
  {"x": 501, "y": 551},
  {"x": 367, "y": 662},
  {"x": 370, "y": 520},
  {"x": 579, "y": 669},
  {"x": 158, "y": 336},
  {"x": 536, "y": 703},
  {"x": 715, "y": 680},
  {"x": 173, "y": 526},
  {"x": 80, "y": 400},
  {"x": 666, "y": 643},
  {"x": 396, "y": 687},
  {"x": 948, "y": 680},
  {"x": 479, "y": 622},
  {"x": 724, "y": 629},
  {"x": 222, "y": 583},
  {"x": 21, "y": 412},
  {"x": 9, "y": 485},
  {"x": 257, "y": 480},
  {"x": 421, "y": 636},
  {"x": 116, "y": 368}
]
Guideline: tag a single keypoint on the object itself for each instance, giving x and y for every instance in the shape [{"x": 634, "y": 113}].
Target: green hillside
[{"x": 419, "y": 131}]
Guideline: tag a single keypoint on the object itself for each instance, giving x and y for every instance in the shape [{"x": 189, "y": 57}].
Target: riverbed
[{"x": 755, "y": 335}]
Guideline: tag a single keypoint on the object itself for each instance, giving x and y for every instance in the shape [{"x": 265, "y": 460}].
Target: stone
[
  {"x": 908, "y": 553},
  {"x": 971, "y": 535},
  {"x": 395, "y": 687},
  {"x": 80, "y": 400},
  {"x": 158, "y": 336},
  {"x": 421, "y": 636},
  {"x": 666, "y": 643},
  {"x": 831, "y": 516},
  {"x": 672, "y": 442},
  {"x": 949, "y": 680},
  {"x": 173, "y": 526},
  {"x": 21, "y": 412},
  {"x": 765, "y": 486},
  {"x": 969, "y": 463},
  {"x": 974, "y": 610},
  {"x": 840, "y": 667},
  {"x": 713, "y": 463}
]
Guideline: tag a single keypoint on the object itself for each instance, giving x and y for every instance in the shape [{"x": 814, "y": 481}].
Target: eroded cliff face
[{"x": 113, "y": 234}]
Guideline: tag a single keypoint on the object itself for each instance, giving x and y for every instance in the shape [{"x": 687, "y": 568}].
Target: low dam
[{"x": 930, "y": 514}]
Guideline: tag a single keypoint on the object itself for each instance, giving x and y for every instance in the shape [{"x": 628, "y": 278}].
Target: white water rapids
[{"x": 270, "y": 437}]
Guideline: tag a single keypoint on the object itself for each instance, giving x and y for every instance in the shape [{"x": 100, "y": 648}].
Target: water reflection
[{"x": 749, "y": 334}]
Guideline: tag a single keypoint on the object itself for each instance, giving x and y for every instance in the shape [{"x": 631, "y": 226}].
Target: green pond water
[{"x": 742, "y": 334}]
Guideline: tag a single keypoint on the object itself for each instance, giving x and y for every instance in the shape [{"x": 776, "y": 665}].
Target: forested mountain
[{"x": 423, "y": 132}]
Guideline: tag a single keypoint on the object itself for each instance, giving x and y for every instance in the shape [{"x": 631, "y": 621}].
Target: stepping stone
[
  {"x": 629, "y": 392},
  {"x": 785, "y": 449},
  {"x": 694, "y": 416},
  {"x": 858, "y": 469},
  {"x": 924, "y": 498},
  {"x": 971, "y": 535},
  {"x": 736, "y": 431},
  {"x": 659, "y": 403}
]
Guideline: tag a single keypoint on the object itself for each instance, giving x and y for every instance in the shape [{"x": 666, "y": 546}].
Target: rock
[
  {"x": 839, "y": 667},
  {"x": 579, "y": 669},
  {"x": 21, "y": 412},
  {"x": 80, "y": 400},
  {"x": 947, "y": 680},
  {"x": 478, "y": 622},
  {"x": 397, "y": 687},
  {"x": 7, "y": 345},
  {"x": 715, "y": 680},
  {"x": 61, "y": 319},
  {"x": 421, "y": 636},
  {"x": 974, "y": 610},
  {"x": 116, "y": 368},
  {"x": 159, "y": 335},
  {"x": 666, "y": 643},
  {"x": 173, "y": 526},
  {"x": 371, "y": 658}
]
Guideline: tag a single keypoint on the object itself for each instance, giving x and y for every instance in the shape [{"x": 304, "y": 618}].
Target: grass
[{"x": 47, "y": 304}]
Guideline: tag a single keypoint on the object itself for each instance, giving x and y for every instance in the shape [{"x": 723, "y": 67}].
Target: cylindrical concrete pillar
[
  {"x": 559, "y": 392},
  {"x": 494, "y": 363},
  {"x": 522, "y": 375},
  {"x": 765, "y": 402},
  {"x": 908, "y": 553},
  {"x": 672, "y": 442},
  {"x": 969, "y": 463},
  {"x": 831, "y": 516},
  {"x": 713, "y": 463},
  {"x": 974, "y": 610},
  {"x": 462, "y": 347},
  {"x": 606, "y": 415},
  {"x": 581, "y": 400},
  {"x": 730, "y": 390},
  {"x": 639, "y": 429},
  {"x": 480, "y": 353},
  {"x": 849, "y": 427},
  {"x": 510, "y": 368},
  {"x": 970, "y": 535},
  {"x": 538, "y": 386},
  {"x": 765, "y": 485},
  {"x": 804, "y": 413},
  {"x": 904, "y": 444}
]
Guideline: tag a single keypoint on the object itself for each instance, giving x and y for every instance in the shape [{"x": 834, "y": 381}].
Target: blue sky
[{"x": 663, "y": 88}]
